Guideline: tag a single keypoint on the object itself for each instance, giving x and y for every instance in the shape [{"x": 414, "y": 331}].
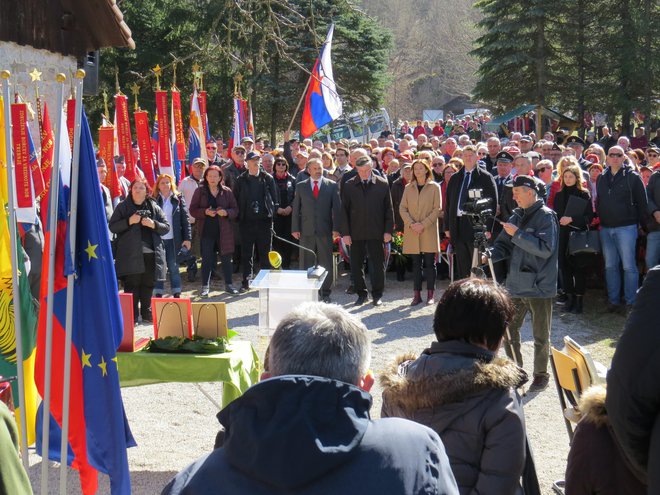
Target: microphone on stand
[{"x": 315, "y": 271}]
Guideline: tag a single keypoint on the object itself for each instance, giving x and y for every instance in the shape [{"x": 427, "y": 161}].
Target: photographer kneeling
[{"x": 529, "y": 242}]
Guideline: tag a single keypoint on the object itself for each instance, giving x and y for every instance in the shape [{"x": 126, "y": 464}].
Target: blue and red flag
[
  {"x": 196, "y": 134},
  {"x": 98, "y": 430},
  {"x": 322, "y": 103},
  {"x": 239, "y": 128}
]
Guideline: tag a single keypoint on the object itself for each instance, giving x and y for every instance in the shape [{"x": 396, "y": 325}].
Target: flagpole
[
  {"x": 52, "y": 227},
  {"x": 18, "y": 324},
  {"x": 64, "y": 446},
  {"x": 299, "y": 103}
]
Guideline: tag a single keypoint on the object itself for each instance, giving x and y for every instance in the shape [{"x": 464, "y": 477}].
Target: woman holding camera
[
  {"x": 420, "y": 209},
  {"x": 139, "y": 224},
  {"x": 179, "y": 236},
  {"x": 573, "y": 267},
  {"x": 214, "y": 206}
]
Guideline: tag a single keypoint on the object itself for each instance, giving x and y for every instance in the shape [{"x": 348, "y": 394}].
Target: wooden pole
[{"x": 299, "y": 103}]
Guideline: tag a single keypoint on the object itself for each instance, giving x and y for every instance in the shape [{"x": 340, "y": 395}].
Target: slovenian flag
[
  {"x": 322, "y": 103},
  {"x": 196, "y": 137}
]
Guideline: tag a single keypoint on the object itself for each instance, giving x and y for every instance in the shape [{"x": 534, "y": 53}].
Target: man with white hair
[
  {"x": 305, "y": 428},
  {"x": 464, "y": 140}
]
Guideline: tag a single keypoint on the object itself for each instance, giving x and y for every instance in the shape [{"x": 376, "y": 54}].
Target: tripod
[{"x": 481, "y": 249}]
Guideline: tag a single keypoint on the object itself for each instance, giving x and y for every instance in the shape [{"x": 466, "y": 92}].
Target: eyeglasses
[
  {"x": 239, "y": 152},
  {"x": 542, "y": 169},
  {"x": 652, "y": 155},
  {"x": 211, "y": 148},
  {"x": 615, "y": 155}
]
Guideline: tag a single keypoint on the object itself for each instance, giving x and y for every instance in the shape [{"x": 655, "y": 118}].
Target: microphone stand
[{"x": 315, "y": 271}]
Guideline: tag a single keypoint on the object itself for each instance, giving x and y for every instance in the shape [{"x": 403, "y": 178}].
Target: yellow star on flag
[
  {"x": 35, "y": 75},
  {"x": 104, "y": 366},
  {"x": 91, "y": 250},
  {"x": 85, "y": 359},
  {"x": 116, "y": 361}
]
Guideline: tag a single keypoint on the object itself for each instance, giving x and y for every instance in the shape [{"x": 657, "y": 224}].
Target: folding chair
[{"x": 569, "y": 388}]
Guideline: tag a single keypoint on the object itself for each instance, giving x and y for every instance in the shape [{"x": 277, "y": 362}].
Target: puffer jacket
[
  {"x": 468, "y": 397},
  {"x": 532, "y": 252},
  {"x": 595, "y": 462}
]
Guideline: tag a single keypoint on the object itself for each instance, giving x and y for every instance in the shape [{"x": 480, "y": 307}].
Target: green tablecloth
[{"x": 237, "y": 369}]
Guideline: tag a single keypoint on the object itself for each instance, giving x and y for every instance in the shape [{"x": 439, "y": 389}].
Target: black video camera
[{"x": 478, "y": 209}]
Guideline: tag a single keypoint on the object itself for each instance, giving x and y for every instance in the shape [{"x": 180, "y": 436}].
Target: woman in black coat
[
  {"x": 139, "y": 223},
  {"x": 285, "y": 183},
  {"x": 573, "y": 267},
  {"x": 179, "y": 236}
]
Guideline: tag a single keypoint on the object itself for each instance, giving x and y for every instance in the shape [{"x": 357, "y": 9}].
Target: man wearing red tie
[{"x": 315, "y": 220}]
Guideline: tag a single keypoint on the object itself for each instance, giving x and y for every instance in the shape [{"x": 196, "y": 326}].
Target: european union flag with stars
[{"x": 97, "y": 328}]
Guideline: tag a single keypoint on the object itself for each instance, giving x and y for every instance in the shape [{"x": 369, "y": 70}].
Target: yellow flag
[{"x": 8, "y": 356}]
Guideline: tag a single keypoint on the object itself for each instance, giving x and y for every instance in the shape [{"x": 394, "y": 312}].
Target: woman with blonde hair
[
  {"x": 420, "y": 209},
  {"x": 555, "y": 187},
  {"x": 173, "y": 205},
  {"x": 573, "y": 267}
]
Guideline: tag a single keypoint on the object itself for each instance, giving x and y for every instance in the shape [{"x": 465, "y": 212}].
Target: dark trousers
[
  {"x": 428, "y": 270},
  {"x": 322, "y": 246},
  {"x": 462, "y": 258},
  {"x": 141, "y": 285},
  {"x": 255, "y": 235},
  {"x": 359, "y": 250},
  {"x": 574, "y": 273},
  {"x": 209, "y": 248},
  {"x": 282, "y": 226},
  {"x": 191, "y": 264}
]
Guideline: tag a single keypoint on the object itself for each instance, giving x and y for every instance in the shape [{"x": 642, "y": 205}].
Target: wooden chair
[{"x": 569, "y": 388}]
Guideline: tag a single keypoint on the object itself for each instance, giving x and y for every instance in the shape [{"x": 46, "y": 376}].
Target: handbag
[{"x": 583, "y": 242}]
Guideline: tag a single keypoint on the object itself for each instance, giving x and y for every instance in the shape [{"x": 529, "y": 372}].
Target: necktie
[
  {"x": 464, "y": 190},
  {"x": 316, "y": 189}
]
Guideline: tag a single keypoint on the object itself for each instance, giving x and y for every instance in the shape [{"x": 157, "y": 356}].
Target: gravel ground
[{"x": 175, "y": 423}]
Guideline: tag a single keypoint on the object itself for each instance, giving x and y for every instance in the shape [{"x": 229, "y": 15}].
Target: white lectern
[{"x": 282, "y": 290}]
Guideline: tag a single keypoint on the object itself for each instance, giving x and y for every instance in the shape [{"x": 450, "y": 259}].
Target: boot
[
  {"x": 417, "y": 298},
  {"x": 577, "y": 308},
  {"x": 429, "y": 297},
  {"x": 570, "y": 303}
]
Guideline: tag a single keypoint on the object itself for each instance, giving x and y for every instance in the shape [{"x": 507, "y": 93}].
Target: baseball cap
[{"x": 252, "y": 156}]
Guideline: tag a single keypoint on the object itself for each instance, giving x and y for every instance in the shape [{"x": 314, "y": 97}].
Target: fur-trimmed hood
[
  {"x": 592, "y": 406},
  {"x": 447, "y": 373}
]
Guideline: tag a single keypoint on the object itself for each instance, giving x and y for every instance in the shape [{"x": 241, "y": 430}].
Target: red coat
[{"x": 225, "y": 200}]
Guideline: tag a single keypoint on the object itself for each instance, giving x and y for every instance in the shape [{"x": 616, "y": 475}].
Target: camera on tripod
[{"x": 478, "y": 209}]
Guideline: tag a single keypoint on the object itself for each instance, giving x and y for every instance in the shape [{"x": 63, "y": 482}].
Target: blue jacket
[
  {"x": 532, "y": 252},
  {"x": 310, "y": 435}
]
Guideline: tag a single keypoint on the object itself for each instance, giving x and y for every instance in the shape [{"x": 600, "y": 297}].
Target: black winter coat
[
  {"x": 621, "y": 199},
  {"x": 180, "y": 225},
  {"x": 367, "y": 213},
  {"x": 468, "y": 397},
  {"x": 633, "y": 394},
  {"x": 129, "y": 259},
  {"x": 579, "y": 223}
]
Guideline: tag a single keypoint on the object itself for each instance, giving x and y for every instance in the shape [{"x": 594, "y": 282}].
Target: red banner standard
[
  {"x": 47, "y": 142},
  {"x": 21, "y": 155},
  {"x": 144, "y": 143},
  {"x": 177, "y": 120},
  {"x": 164, "y": 149},
  {"x": 70, "y": 119},
  {"x": 201, "y": 98},
  {"x": 124, "y": 139},
  {"x": 106, "y": 151}
]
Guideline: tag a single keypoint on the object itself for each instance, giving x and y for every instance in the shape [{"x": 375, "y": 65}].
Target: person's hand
[
  {"x": 484, "y": 259},
  {"x": 210, "y": 212},
  {"x": 510, "y": 228},
  {"x": 565, "y": 220},
  {"x": 447, "y": 234},
  {"x": 288, "y": 210},
  {"x": 488, "y": 235},
  {"x": 186, "y": 244},
  {"x": 418, "y": 228},
  {"x": 222, "y": 212},
  {"x": 281, "y": 212},
  {"x": 134, "y": 218},
  {"x": 295, "y": 235},
  {"x": 347, "y": 240},
  {"x": 148, "y": 222},
  {"x": 656, "y": 215},
  {"x": 335, "y": 235},
  {"x": 287, "y": 136},
  {"x": 387, "y": 237}
]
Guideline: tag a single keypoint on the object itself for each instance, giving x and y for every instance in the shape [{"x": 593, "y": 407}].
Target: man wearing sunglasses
[
  {"x": 621, "y": 207},
  {"x": 212, "y": 154},
  {"x": 235, "y": 167},
  {"x": 653, "y": 158}
]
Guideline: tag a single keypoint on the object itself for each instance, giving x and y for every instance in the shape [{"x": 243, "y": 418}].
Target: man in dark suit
[
  {"x": 367, "y": 222},
  {"x": 457, "y": 225},
  {"x": 315, "y": 220}
]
